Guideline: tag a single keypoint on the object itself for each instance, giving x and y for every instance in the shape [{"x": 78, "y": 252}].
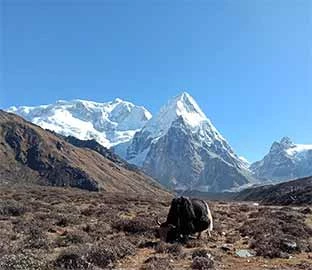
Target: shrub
[
  {"x": 156, "y": 263},
  {"x": 274, "y": 233},
  {"x": 175, "y": 250},
  {"x": 76, "y": 237},
  {"x": 11, "y": 208},
  {"x": 20, "y": 262},
  {"x": 200, "y": 253},
  {"x": 194, "y": 244},
  {"x": 202, "y": 263},
  {"x": 64, "y": 221},
  {"x": 306, "y": 211},
  {"x": 97, "y": 231},
  {"x": 134, "y": 226},
  {"x": 71, "y": 259},
  {"x": 108, "y": 252},
  {"x": 102, "y": 256},
  {"x": 36, "y": 239}
]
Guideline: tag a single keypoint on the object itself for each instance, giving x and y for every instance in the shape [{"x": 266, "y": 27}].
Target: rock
[
  {"x": 288, "y": 245},
  {"x": 244, "y": 253},
  {"x": 52, "y": 230},
  {"x": 284, "y": 255},
  {"x": 227, "y": 247}
]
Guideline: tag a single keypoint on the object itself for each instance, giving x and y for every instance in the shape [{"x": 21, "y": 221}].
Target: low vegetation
[
  {"x": 277, "y": 233},
  {"x": 55, "y": 228}
]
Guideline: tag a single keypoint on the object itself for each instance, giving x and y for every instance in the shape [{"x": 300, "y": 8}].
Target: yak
[{"x": 186, "y": 217}]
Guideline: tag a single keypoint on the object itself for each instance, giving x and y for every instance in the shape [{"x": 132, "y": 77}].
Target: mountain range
[
  {"x": 109, "y": 123},
  {"x": 32, "y": 155},
  {"x": 179, "y": 146}
]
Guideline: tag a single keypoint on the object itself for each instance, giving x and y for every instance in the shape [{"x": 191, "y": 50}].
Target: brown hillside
[
  {"x": 30, "y": 154},
  {"x": 295, "y": 192}
]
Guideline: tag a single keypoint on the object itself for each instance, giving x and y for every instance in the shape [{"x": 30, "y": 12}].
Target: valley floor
[{"x": 56, "y": 228}]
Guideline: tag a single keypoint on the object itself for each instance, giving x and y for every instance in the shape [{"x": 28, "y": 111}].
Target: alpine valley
[{"x": 179, "y": 146}]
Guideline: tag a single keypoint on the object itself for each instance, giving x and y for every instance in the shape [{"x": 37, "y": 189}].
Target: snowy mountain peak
[
  {"x": 118, "y": 100},
  {"x": 109, "y": 123},
  {"x": 187, "y": 107},
  {"x": 181, "y": 106},
  {"x": 285, "y": 160},
  {"x": 180, "y": 145}
]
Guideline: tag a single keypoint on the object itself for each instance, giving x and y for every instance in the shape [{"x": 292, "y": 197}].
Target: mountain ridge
[
  {"x": 110, "y": 123},
  {"x": 31, "y": 155},
  {"x": 285, "y": 160},
  {"x": 293, "y": 192}
]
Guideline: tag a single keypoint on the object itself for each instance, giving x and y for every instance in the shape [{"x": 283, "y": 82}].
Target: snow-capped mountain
[
  {"x": 109, "y": 123},
  {"x": 285, "y": 160},
  {"x": 181, "y": 148}
]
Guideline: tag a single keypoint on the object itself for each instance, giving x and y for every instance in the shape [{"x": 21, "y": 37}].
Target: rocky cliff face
[
  {"x": 183, "y": 150},
  {"x": 285, "y": 160}
]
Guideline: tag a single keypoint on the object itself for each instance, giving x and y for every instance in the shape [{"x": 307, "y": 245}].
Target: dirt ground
[{"x": 56, "y": 228}]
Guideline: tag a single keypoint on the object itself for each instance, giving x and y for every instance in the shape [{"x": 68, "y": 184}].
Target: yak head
[{"x": 167, "y": 232}]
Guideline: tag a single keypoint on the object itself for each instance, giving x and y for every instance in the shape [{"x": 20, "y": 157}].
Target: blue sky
[{"x": 247, "y": 63}]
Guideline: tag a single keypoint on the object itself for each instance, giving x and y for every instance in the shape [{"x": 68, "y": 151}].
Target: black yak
[{"x": 186, "y": 216}]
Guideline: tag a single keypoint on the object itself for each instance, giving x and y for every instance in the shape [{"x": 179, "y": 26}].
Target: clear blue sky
[{"x": 247, "y": 63}]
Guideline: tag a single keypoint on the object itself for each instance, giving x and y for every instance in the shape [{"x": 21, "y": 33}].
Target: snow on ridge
[
  {"x": 110, "y": 123},
  {"x": 298, "y": 148}
]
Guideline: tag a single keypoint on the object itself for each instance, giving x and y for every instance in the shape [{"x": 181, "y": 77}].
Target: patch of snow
[{"x": 298, "y": 148}]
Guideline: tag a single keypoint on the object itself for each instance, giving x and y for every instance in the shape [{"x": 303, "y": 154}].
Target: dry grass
[
  {"x": 277, "y": 233},
  {"x": 53, "y": 228}
]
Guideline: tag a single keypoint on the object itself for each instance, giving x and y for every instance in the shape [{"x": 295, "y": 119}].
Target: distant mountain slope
[
  {"x": 182, "y": 149},
  {"x": 296, "y": 192},
  {"x": 109, "y": 123},
  {"x": 32, "y": 155},
  {"x": 285, "y": 160},
  {"x": 95, "y": 146}
]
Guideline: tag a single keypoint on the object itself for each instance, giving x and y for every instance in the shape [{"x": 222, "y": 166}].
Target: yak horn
[{"x": 157, "y": 221}]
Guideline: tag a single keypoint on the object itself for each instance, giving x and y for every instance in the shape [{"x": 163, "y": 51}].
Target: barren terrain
[{"x": 65, "y": 228}]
